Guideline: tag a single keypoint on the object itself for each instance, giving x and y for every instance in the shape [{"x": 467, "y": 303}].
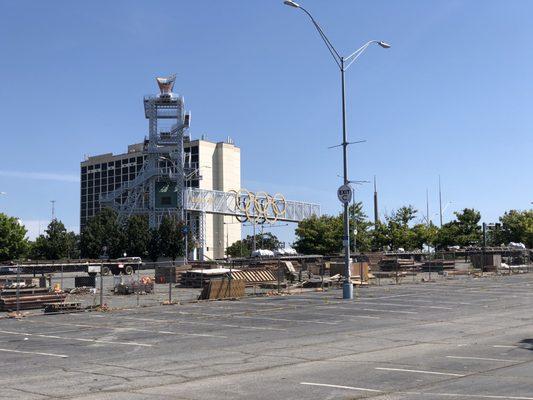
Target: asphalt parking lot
[{"x": 458, "y": 339}]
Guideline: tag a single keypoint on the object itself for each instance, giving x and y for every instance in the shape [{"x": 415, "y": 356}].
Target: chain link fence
[{"x": 151, "y": 284}]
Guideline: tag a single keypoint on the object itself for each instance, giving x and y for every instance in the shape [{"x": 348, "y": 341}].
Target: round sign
[{"x": 344, "y": 193}]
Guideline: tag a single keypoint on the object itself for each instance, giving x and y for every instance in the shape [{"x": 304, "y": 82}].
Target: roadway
[{"x": 458, "y": 339}]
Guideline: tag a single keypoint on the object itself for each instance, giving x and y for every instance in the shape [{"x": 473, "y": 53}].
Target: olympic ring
[{"x": 258, "y": 207}]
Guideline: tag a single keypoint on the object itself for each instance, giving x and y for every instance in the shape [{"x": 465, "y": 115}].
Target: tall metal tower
[
  {"x": 164, "y": 168},
  {"x": 163, "y": 186}
]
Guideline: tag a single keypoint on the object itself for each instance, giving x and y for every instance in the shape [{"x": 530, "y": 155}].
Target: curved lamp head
[
  {"x": 291, "y": 3},
  {"x": 384, "y": 44}
]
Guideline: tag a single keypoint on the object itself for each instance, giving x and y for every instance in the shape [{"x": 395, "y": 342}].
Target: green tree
[
  {"x": 319, "y": 235},
  {"x": 73, "y": 245},
  {"x": 13, "y": 243},
  {"x": 323, "y": 235},
  {"x": 360, "y": 224},
  {"x": 154, "y": 245},
  {"x": 516, "y": 226},
  {"x": 137, "y": 236},
  {"x": 55, "y": 244},
  {"x": 172, "y": 239},
  {"x": 38, "y": 249},
  {"x": 380, "y": 237},
  {"x": 463, "y": 231},
  {"x": 423, "y": 234},
  {"x": 399, "y": 233},
  {"x": 243, "y": 248},
  {"x": 103, "y": 234}
]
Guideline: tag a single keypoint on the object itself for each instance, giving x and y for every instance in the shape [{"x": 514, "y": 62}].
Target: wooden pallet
[{"x": 223, "y": 289}]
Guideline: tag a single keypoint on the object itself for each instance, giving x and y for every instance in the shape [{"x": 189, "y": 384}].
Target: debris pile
[{"x": 144, "y": 286}]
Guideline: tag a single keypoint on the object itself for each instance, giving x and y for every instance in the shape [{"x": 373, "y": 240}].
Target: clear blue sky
[{"x": 453, "y": 96}]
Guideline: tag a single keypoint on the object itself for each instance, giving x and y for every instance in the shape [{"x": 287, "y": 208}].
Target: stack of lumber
[
  {"x": 29, "y": 298},
  {"x": 223, "y": 289},
  {"x": 374, "y": 258},
  {"x": 61, "y": 307},
  {"x": 395, "y": 264},
  {"x": 438, "y": 265}
]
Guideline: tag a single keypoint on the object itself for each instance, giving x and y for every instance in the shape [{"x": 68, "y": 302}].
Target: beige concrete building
[{"x": 219, "y": 166}]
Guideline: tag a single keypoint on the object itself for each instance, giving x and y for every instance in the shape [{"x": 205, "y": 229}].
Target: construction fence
[{"x": 151, "y": 284}]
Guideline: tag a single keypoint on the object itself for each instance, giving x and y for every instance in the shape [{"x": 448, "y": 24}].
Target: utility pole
[
  {"x": 440, "y": 203},
  {"x": 254, "y": 245},
  {"x": 376, "y": 214},
  {"x": 354, "y": 226},
  {"x": 427, "y": 208},
  {"x": 53, "y": 209}
]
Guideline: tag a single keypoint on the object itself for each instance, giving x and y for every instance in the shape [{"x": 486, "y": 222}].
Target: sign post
[{"x": 345, "y": 194}]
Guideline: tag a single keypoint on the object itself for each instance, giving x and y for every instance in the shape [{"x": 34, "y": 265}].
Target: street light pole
[
  {"x": 347, "y": 287},
  {"x": 343, "y": 63}
]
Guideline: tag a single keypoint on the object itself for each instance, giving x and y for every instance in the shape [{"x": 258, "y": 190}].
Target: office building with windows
[{"x": 219, "y": 168}]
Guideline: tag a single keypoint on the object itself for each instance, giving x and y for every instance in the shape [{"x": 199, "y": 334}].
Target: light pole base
[{"x": 347, "y": 290}]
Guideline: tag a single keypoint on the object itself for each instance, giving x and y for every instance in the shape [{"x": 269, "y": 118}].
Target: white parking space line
[
  {"x": 244, "y": 327},
  {"x": 440, "y": 302},
  {"x": 287, "y": 320},
  {"x": 418, "y": 371},
  {"x": 35, "y": 353},
  {"x": 357, "y": 316},
  {"x": 126, "y": 328},
  {"x": 469, "y": 396},
  {"x": 389, "y": 311},
  {"x": 402, "y": 305},
  {"x": 341, "y": 387},
  {"x": 428, "y": 394},
  {"x": 481, "y": 359},
  {"x": 76, "y": 339},
  {"x": 232, "y": 314},
  {"x": 391, "y": 296},
  {"x": 370, "y": 309},
  {"x": 504, "y": 346}
]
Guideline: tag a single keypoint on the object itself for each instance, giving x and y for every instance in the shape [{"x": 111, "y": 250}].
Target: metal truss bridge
[{"x": 247, "y": 206}]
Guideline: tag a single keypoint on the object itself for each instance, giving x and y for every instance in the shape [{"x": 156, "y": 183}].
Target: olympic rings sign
[{"x": 259, "y": 207}]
